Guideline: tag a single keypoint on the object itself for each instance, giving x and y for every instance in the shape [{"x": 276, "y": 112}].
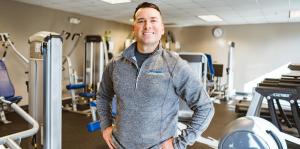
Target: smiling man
[
  {"x": 148, "y": 29},
  {"x": 148, "y": 82}
]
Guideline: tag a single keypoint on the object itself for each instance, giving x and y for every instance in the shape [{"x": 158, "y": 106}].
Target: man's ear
[
  {"x": 132, "y": 27},
  {"x": 132, "y": 31},
  {"x": 163, "y": 29}
]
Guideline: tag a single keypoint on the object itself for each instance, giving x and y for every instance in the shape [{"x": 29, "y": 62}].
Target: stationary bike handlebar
[{"x": 9, "y": 140}]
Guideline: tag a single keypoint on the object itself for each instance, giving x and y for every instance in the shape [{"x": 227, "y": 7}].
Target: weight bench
[
  {"x": 86, "y": 95},
  {"x": 81, "y": 86},
  {"x": 73, "y": 86},
  {"x": 7, "y": 91}
]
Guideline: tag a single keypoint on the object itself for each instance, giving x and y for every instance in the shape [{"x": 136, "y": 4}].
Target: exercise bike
[{"x": 249, "y": 132}]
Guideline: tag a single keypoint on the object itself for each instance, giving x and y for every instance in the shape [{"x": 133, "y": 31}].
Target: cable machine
[
  {"x": 45, "y": 87},
  {"x": 7, "y": 89}
]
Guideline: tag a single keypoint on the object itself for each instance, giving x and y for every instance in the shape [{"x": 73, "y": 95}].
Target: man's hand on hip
[
  {"x": 168, "y": 144},
  {"x": 107, "y": 136}
]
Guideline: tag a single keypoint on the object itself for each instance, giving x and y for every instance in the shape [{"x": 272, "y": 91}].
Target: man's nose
[{"x": 147, "y": 25}]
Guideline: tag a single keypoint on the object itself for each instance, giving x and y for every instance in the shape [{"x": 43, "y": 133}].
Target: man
[{"x": 148, "y": 83}]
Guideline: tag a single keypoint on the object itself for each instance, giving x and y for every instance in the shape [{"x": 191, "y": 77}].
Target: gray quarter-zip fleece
[{"x": 148, "y": 100}]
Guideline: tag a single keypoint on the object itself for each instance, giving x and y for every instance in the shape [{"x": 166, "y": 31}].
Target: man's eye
[
  {"x": 140, "y": 21},
  {"x": 153, "y": 20}
]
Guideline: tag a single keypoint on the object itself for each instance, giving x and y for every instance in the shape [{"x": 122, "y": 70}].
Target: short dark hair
[{"x": 146, "y": 5}]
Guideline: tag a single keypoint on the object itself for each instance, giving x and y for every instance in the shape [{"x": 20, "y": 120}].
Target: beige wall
[
  {"x": 22, "y": 20},
  {"x": 259, "y": 48}
]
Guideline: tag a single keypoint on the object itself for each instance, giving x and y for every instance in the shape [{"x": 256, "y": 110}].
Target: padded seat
[
  {"x": 6, "y": 87},
  {"x": 87, "y": 95},
  {"x": 6, "y": 90},
  {"x": 15, "y": 99},
  {"x": 76, "y": 86},
  {"x": 80, "y": 86}
]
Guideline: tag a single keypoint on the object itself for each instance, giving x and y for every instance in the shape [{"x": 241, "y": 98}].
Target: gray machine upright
[
  {"x": 45, "y": 94},
  {"x": 95, "y": 59}
]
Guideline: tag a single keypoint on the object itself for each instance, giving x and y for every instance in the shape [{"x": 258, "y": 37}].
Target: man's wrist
[
  {"x": 105, "y": 125},
  {"x": 174, "y": 142}
]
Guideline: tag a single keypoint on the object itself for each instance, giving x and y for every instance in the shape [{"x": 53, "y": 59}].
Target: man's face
[{"x": 148, "y": 27}]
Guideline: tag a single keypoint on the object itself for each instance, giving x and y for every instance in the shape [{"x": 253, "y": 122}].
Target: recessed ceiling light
[
  {"x": 116, "y": 1},
  {"x": 131, "y": 20},
  {"x": 210, "y": 18},
  {"x": 294, "y": 14}
]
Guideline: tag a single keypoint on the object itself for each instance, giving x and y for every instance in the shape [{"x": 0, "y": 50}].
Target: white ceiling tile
[
  {"x": 250, "y": 13},
  {"x": 245, "y": 7},
  {"x": 275, "y": 4},
  {"x": 275, "y": 12},
  {"x": 236, "y": 22},
  {"x": 198, "y": 11},
  {"x": 240, "y": 2},
  {"x": 177, "y": 2},
  {"x": 252, "y": 19},
  {"x": 276, "y": 19},
  {"x": 211, "y": 3},
  {"x": 221, "y": 9}
]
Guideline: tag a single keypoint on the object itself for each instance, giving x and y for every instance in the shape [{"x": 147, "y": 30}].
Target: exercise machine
[
  {"x": 170, "y": 42},
  {"x": 198, "y": 62},
  {"x": 45, "y": 94},
  {"x": 94, "y": 125},
  {"x": 129, "y": 40},
  {"x": 91, "y": 70},
  {"x": 246, "y": 132},
  {"x": 252, "y": 131},
  {"x": 108, "y": 44},
  {"x": 219, "y": 89},
  {"x": 72, "y": 73},
  {"x": 12, "y": 141},
  {"x": 96, "y": 57},
  {"x": 75, "y": 38},
  {"x": 7, "y": 91},
  {"x": 6, "y": 42},
  {"x": 229, "y": 91},
  {"x": 6, "y": 87},
  {"x": 44, "y": 83},
  {"x": 242, "y": 106},
  {"x": 226, "y": 90}
]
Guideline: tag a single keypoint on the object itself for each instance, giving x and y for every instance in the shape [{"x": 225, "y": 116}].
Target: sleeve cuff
[
  {"x": 174, "y": 143},
  {"x": 106, "y": 124}
]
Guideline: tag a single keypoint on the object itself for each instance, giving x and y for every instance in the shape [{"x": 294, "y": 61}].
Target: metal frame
[
  {"x": 4, "y": 37},
  {"x": 229, "y": 71},
  {"x": 200, "y": 58},
  {"x": 6, "y": 42},
  {"x": 52, "y": 90},
  {"x": 12, "y": 140},
  {"x": 72, "y": 74},
  {"x": 96, "y": 57},
  {"x": 95, "y": 52},
  {"x": 255, "y": 105},
  {"x": 45, "y": 83}
]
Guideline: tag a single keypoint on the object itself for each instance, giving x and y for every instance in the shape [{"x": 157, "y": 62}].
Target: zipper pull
[{"x": 137, "y": 72}]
